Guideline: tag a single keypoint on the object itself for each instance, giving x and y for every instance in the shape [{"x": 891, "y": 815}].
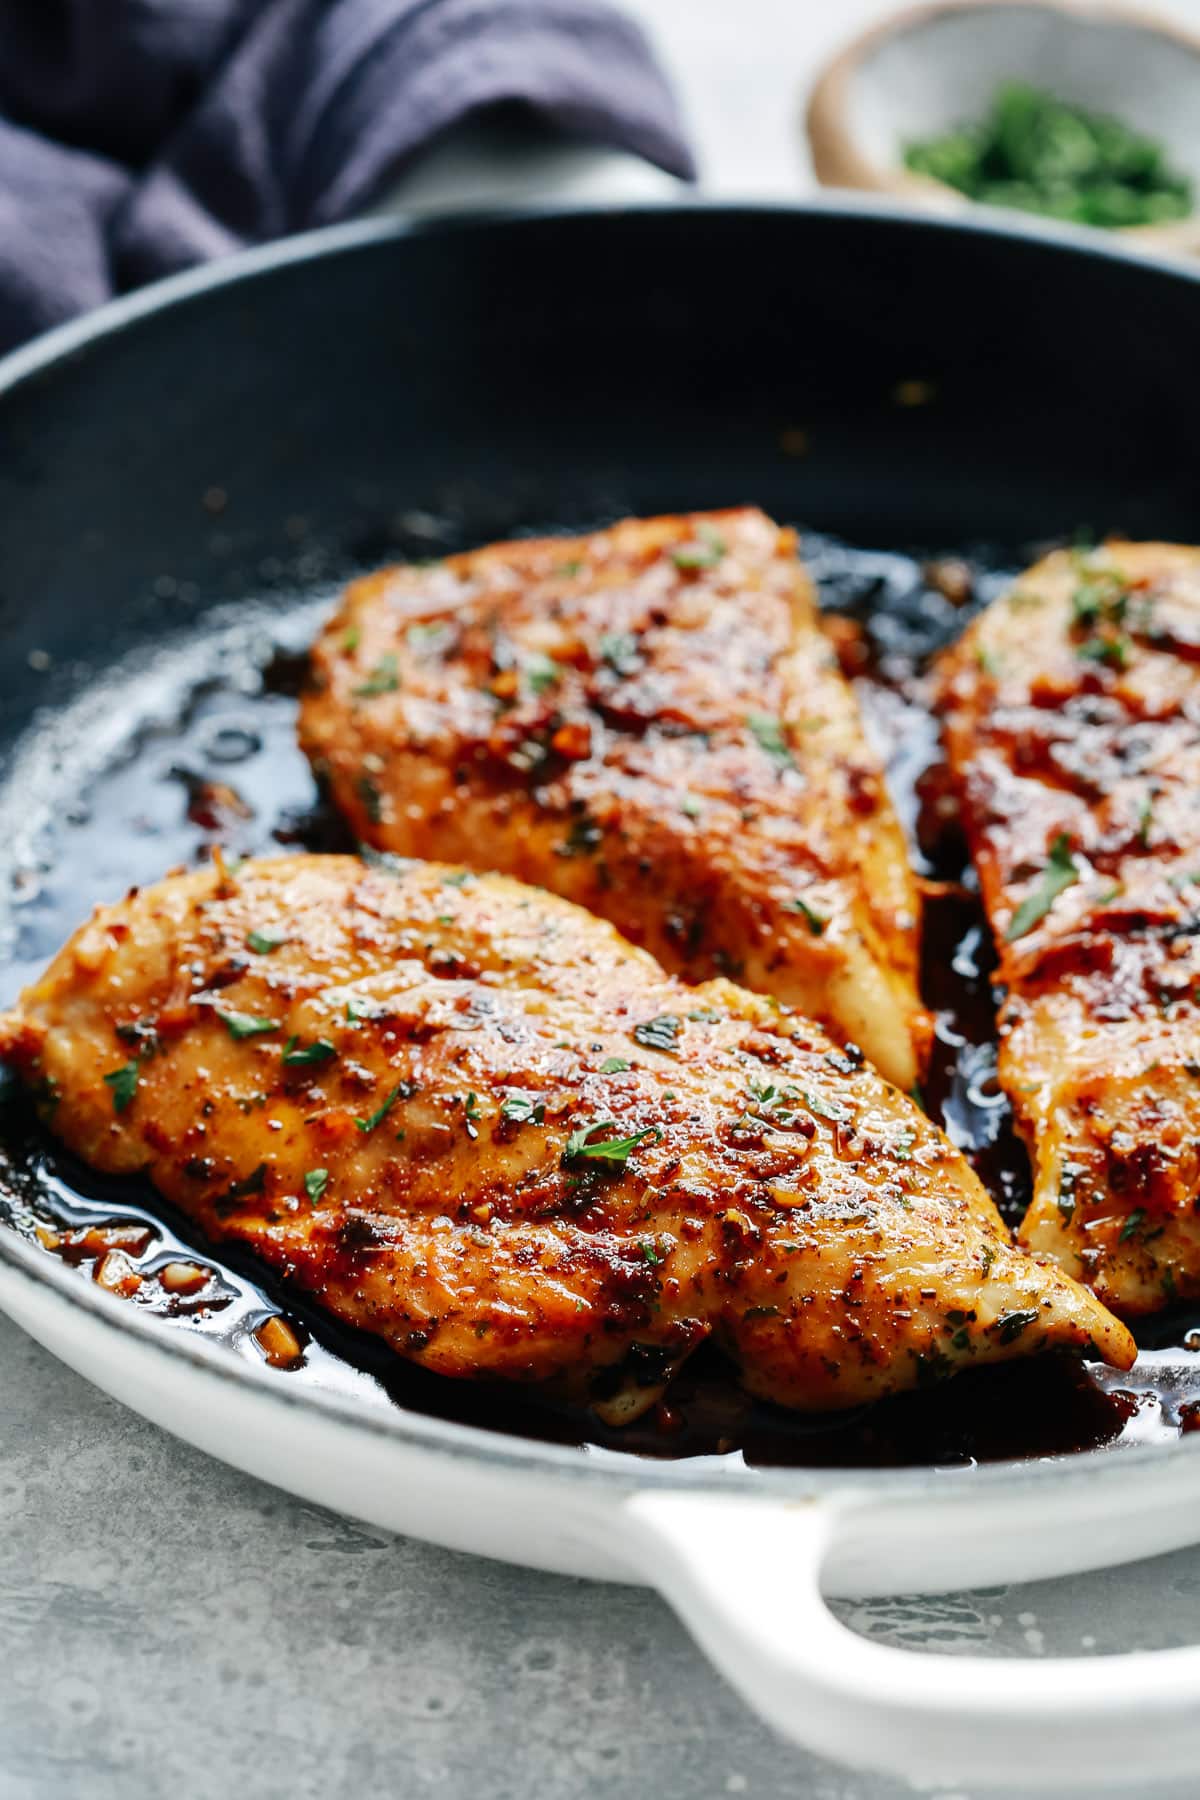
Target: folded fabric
[{"x": 140, "y": 136}]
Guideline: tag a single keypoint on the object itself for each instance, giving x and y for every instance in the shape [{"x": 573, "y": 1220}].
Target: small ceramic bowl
[{"x": 927, "y": 70}]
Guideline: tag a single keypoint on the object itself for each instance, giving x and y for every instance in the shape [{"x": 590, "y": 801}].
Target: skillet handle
[{"x": 746, "y": 1578}]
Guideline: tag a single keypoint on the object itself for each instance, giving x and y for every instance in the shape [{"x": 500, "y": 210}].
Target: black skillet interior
[{"x": 179, "y": 493}]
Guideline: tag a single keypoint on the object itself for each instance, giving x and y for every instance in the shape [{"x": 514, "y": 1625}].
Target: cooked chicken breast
[
  {"x": 471, "y": 1118},
  {"x": 648, "y": 721},
  {"x": 1072, "y": 716}
]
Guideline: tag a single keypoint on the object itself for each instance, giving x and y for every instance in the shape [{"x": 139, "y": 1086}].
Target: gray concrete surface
[{"x": 170, "y": 1627}]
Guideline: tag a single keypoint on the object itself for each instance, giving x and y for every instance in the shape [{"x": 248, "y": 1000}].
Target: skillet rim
[{"x": 58, "y": 349}]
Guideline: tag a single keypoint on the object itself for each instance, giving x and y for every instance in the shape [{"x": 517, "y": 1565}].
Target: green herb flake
[
  {"x": 315, "y": 1183},
  {"x": 1009, "y": 1326},
  {"x": 690, "y": 806},
  {"x": 296, "y": 1054},
  {"x": 124, "y": 1083},
  {"x": 381, "y": 1113},
  {"x": 371, "y": 798},
  {"x": 619, "y": 649},
  {"x": 615, "y": 1065},
  {"x": 384, "y": 678},
  {"x": 768, "y": 733},
  {"x": 579, "y": 1145},
  {"x": 1114, "y": 651},
  {"x": 351, "y": 640},
  {"x": 246, "y": 1025},
  {"x": 825, "y": 1109},
  {"x": 815, "y": 921},
  {"x": 706, "y": 1015},
  {"x": 661, "y": 1033},
  {"x": 1132, "y": 1225},
  {"x": 458, "y": 880},
  {"x": 1061, "y": 872},
  {"x": 262, "y": 943},
  {"x": 540, "y": 672},
  {"x": 650, "y": 1255},
  {"x": 523, "y": 1109},
  {"x": 705, "y": 552}
]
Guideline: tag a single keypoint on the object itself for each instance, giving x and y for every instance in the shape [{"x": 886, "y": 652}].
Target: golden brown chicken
[
  {"x": 1072, "y": 717},
  {"x": 648, "y": 721},
  {"x": 471, "y": 1118}
]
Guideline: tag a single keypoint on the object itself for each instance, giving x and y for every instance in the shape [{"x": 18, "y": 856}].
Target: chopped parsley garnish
[
  {"x": 371, "y": 798},
  {"x": 472, "y": 1115},
  {"x": 609, "y": 1150},
  {"x": 381, "y": 1113},
  {"x": 825, "y": 1109},
  {"x": 615, "y": 1065},
  {"x": 650, "y": 1255},
  {"x": 1009, "y": 1326},
  {"x": 768, "y": 733},
  {"x": 384, "y": 678},
  {"x": 356, "y": 1012},
  {"x": 1132, "y": 1225},
  {"x": 459, "y": 880},
  {"x": 315, "y": 1183},
  {"x": 1061, "y": 872},
  {"x": 350, "y": 639},
  {"x": 319, "y": 1051},
  {"x": 541, "y": 672},
  {"x": 1100, "y": 596},
  {"x": 523, "y": 1109},
  {"x": 706, "y": 1015},
  {"x": 703, "y": 553},
  {"x": 246, "y": 1025},
  {"x": 124, "y": 1083},
  {"x": 815, "y": 921},
  {"x": 619, "y": 649},
  {"x": 1111, "y": 650},
  {"x": 661, "y": 1033},
  {"x": 424, "y": 637},
  {"x": 262, "y": 943},
  {"x": 254, "y": 1183}
]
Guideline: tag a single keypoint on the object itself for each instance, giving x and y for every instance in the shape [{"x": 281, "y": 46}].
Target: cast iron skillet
[{"x": 190, "y": 464}]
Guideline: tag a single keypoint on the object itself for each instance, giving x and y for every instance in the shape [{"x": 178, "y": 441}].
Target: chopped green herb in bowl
[{"x": 1040, "y": 154}]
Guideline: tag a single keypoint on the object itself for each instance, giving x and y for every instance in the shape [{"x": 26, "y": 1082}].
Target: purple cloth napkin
[{"x": 140, "y": 136}]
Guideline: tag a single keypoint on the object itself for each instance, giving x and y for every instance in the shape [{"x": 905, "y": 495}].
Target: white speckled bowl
[{"x": 929, "y": 69}]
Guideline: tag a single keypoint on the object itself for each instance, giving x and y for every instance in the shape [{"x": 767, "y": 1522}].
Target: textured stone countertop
[{"x": 170, "y": 1627}]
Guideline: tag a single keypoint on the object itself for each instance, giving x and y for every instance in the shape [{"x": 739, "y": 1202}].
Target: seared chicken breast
[
  {"x": 469, "y": 1117},
  {"x": 1072, "y": 721},
  {"x": 648, "y": 721}
]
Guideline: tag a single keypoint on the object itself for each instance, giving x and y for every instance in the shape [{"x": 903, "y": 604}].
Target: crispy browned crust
[
  {"x": 383, "y": 1080},
  {"x": 650, "y": 722},
  {"x": 1072, "y": 717}
]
